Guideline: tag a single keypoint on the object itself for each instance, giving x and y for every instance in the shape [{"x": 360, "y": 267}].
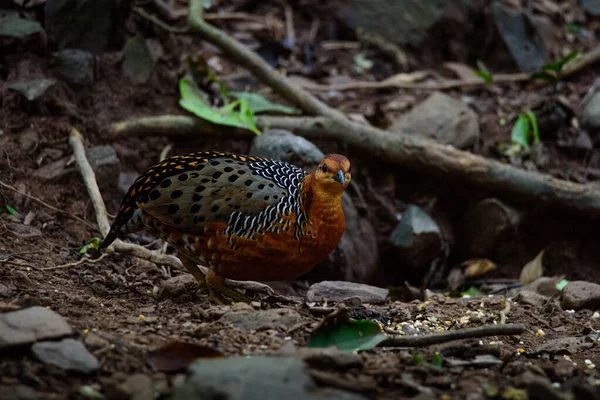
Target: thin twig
[
  {"x": 155, "y": 20},
  {"x": 444, "y": 337},
  {"x": 505, "y": 311},
  {"x": 51, "y": 207},
  {"x": 76, "y": 142},
  {"x": 76, "y": 264}
]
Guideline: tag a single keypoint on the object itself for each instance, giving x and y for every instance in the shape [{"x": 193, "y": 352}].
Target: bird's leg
[
  {"x": 216, "y": 284},
  {"x": 193, "y": 269}
]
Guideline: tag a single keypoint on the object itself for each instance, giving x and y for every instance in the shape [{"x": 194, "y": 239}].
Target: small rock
[
  {"x": 338, "y": 291},
  {"x": 30, "y": 325},
  {"x": 95, "y": 342},
  {"x": 546, "y": 286},
  {"x": 17, "y": 392},
  {"x": 82, "y": 24},
  {"x": 531, "y": 298},
  {"x": 5, "y": 291},
  {"x": 331, "y": 358},
  {"x": 69, "y": 354},
  {"x": 417, "y": 239},
  {"x": 28, "y": 140},
  {"x": 263, "y": 319},
  {"x": 178, "y": 285},
  {"x": 74, "y": 66},
  {"x": 138, "y": 387},
  {"x": 590, "y": 111},
  {"x": 103, "y": 160},
  {"x": 106, "y": 165},
  {"x": 591, "y": 6},
  {"x": 33, "y": 88},
  {"x": 441, "y": 118},
  {"x": 487, "y": 225},
  {"x": 564, "y": 368},
  {"x": 578, "y": 295},
  {"x": 525, "y": 36},
  {"x": 255, "y": 377},
  {"x": 138, "y": 62},
  {"x": 126, "y": 179}
]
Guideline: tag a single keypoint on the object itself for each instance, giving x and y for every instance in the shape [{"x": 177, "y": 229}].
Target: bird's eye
[{"x": 324, "y": 168}]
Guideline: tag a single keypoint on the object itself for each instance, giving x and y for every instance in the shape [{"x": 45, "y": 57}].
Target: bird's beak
[{"x": 340, "y": 177}]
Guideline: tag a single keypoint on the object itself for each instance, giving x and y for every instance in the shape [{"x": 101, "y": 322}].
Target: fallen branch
[
  {"x": 89, "y": 178},
  {"x": 414, "y": 152},
  {"x": 449, "y": 336},
  {"x": 420, "y": 154}
]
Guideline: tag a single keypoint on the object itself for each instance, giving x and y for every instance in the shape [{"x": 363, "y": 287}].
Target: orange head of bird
[{"x": 333, "y": 174}]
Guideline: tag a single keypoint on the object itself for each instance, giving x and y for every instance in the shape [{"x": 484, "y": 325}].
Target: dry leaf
[
  {"x": 533, "y": 269},
  {"x": 406, "y": 78},
  {"x": 477, "y": 267},
  {"x": 176, "y": 355},
  {"x": 468, "y": 270}
]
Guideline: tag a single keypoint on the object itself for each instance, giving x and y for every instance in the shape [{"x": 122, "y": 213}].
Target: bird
[{"x": 243, "y": 217}]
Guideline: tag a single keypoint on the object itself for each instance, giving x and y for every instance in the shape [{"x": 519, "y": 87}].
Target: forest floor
[{"x": 122, "y": 307}]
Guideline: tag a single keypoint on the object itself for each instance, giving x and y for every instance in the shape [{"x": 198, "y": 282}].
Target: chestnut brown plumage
[{"x": 243, "y": 217}]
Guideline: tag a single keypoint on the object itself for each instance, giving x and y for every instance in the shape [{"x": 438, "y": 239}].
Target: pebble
[
  {"x": 177, "y": 285},
  {"x": 68, "y": 354}
]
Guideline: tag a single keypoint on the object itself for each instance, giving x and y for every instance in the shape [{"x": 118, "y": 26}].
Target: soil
[{"x": 109, "y": 297}]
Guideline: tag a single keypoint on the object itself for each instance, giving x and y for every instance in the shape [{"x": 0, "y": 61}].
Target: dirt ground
[{"x": 117, "y": 308}]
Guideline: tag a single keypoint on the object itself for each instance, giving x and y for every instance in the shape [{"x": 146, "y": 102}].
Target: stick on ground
[{"x": 444, "y": 337}]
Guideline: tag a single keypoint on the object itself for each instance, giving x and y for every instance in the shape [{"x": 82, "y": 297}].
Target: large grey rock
[
  {"x": 487, "y": 224},
  {"x": 401, "y": 21},
  {"x": 30, "y": 325},
  {"x": 138, "y": 62},
  {"x": 74, "y": 66},
  {"x": 357, "y": 254},
  {"x": 527, "y": 38},
  {"x": 68, "y": 354},
  {"x": 283, "y": 145},
  {"x": 590, "y": 111},
  {"x": 257, "y": 377},
  {"x": 591, "y": 6},
  {"x": 442, "y": 118},
  {"x": 578, "y": 295},
  {"x": 417, "y": 238},
  {"x": 81, "y": 24},
  {"x": 261, "y": 320},
  {"x": 339, "y": 291}
]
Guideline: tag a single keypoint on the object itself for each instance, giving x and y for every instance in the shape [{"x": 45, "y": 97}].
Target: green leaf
[
  {"x": 534, "y": 126},
  {"x": 471, "y": 292},
  {"x": 11, "y": 209},
  {"x": 18, "y": 27},
  {"x": 486, "y": 76},
  {"x": 93, "y": 244},
  {"x": 557, "y": 66},
  {"x": 437, "y": 360},
  {"x": 520, "y": 131},
  {"x": 348, "y": 335},
  {"x": 417, "y": 359},
  {"x": 574, "y": 28},
  {"x": 561, "y": 285},
  {"x": 194, "y": 102},
  {"x": 258, "y": 103}
]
